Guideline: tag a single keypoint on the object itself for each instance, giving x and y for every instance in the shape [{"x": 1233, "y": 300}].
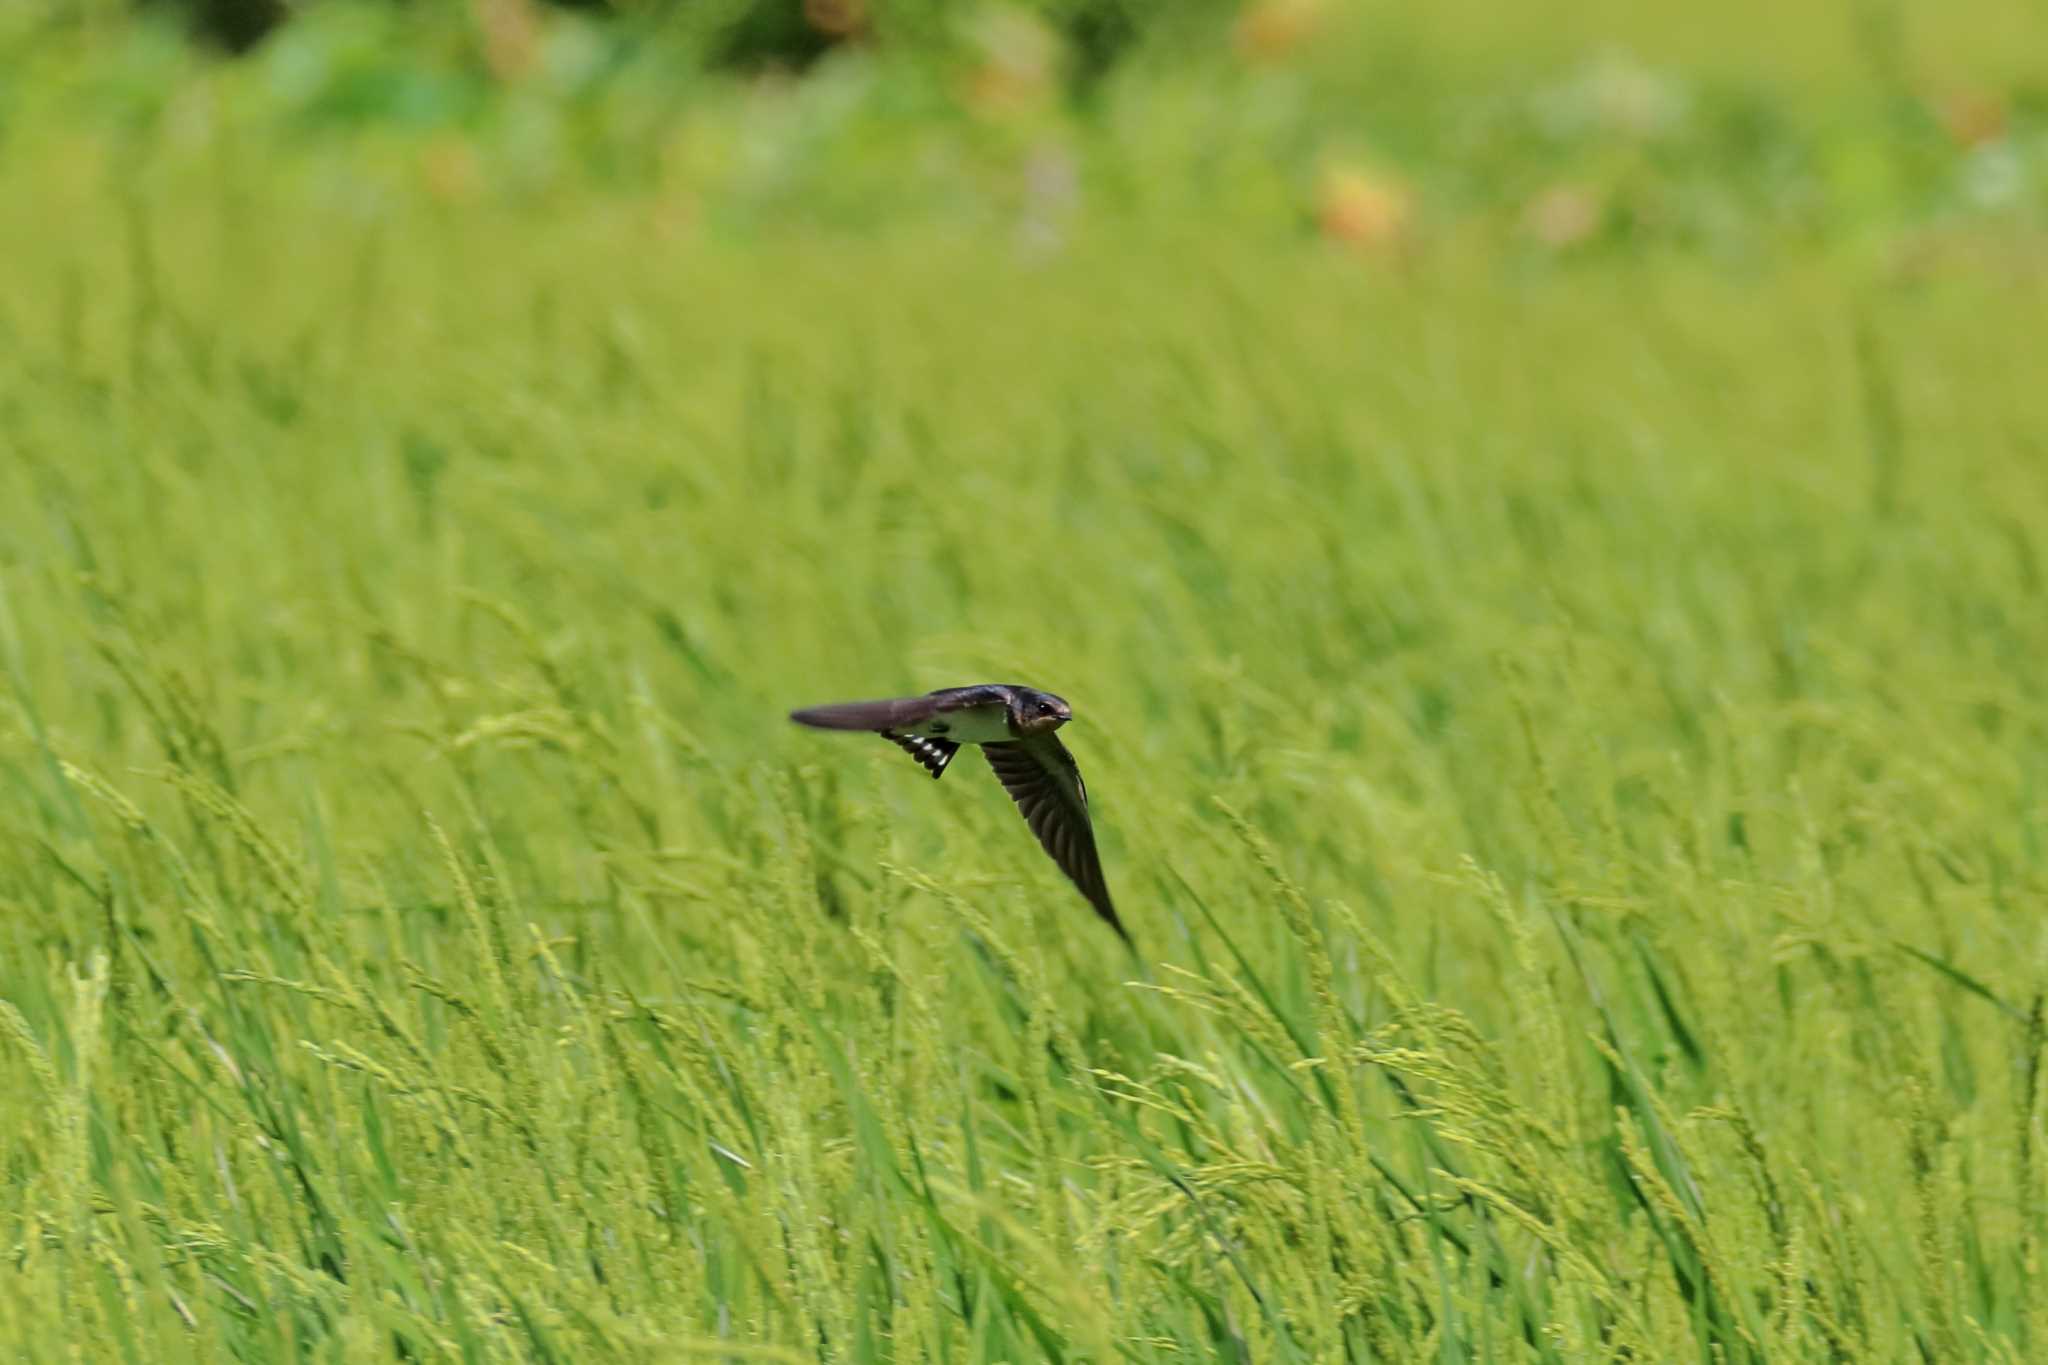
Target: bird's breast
[{"x": 969, "y": 725}]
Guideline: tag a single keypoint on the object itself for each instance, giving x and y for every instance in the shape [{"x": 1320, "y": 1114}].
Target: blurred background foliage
[{"x": 1910, "y": 135}]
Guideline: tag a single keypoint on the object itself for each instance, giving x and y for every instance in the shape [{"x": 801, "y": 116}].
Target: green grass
[{"x": 1567, "y": 737}]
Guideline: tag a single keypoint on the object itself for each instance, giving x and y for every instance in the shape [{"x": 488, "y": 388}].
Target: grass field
[{"x": 1566, "y": 731}]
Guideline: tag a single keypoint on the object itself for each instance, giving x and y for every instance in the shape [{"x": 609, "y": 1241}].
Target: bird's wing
[
  {"x": 1045, "y": 782},
  {"x": 894, "y": 714},
  {"x": 935, "y": 754}
]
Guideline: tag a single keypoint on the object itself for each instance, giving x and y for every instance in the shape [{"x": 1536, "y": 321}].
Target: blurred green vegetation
[
  {"x": 1540, "y": 516},
  {"x": 1880, "y": 130}
]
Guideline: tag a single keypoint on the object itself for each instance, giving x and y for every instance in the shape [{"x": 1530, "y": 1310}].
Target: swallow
[{"x": 1016, "y": 729}]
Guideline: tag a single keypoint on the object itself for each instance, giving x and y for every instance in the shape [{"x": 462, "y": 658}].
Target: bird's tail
[{"x": 858, "y": 715}]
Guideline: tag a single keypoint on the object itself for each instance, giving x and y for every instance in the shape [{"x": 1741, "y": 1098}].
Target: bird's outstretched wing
[
  {"x": 897, "y": 713},
  {"x": 1045, "y": 782}
]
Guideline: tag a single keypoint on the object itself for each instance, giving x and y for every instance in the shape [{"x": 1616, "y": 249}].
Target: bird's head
[{"x": 1037, "y": 713}]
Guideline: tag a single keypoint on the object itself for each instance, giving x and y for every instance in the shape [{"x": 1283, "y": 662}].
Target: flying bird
[{"x": 1015, "y": 727}]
